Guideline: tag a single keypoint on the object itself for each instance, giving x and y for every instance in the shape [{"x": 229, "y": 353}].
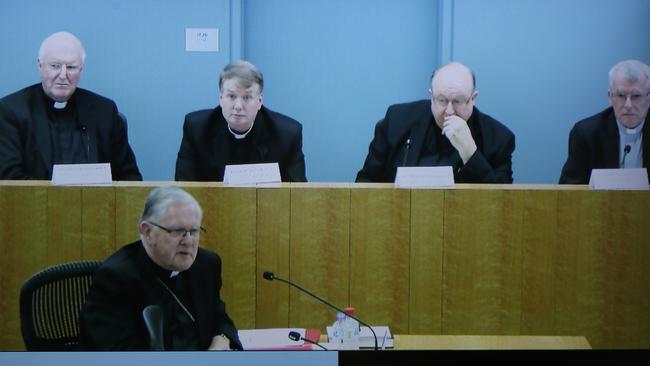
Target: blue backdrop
[{"x": 337, "y": 65}]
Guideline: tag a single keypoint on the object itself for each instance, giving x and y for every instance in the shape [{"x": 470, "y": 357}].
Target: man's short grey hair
[
  {"x": 630, "y": 70},
  {"x": 161, "y": 198},
  {"x": 244, "y": 72}
]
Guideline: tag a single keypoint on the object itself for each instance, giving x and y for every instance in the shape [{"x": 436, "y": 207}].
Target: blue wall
[
  {"x": 337, "y": 65},
  {"x": 542, "y": 65},
  {"x": 136, "y": 56}
]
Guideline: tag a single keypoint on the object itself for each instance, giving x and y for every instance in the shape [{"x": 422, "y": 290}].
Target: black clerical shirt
[{"x": 69, "y": 138}]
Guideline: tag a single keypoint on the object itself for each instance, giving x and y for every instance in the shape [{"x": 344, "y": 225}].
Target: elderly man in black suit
[
  {"x": 167, "y": 268},
  {"x": 618, "y": 136},
  {"x": 55, "y": 122},
  {"x": 447, "y": 130},
  {"x": 239, "y": 131}
]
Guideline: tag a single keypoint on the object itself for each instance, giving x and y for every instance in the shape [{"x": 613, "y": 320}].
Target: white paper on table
[
  {"x": 269, "y": 338},
  {"x": 266, "y": 174},
  {"x": 619, "y": 179},
  {"x": 81, "y": 174},
  {"x": 424, "y": 177}
]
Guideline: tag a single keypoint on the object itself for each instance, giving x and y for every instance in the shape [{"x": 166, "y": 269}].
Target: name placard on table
[
  {"x": 257, "y": 175},
  {"x": 81, "y": 174},
  {"x": 619, "y": 179},
  {"x": 424, "y": 177}
]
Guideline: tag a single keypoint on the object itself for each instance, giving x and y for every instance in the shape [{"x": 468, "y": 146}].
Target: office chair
[{"x": 50, "y": 302}]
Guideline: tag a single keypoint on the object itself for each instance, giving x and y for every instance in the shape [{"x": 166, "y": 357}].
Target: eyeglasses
[
  {"x": 70, "y": 69},
  {"x": 180, "y": 233},
  {"x": 443, "y": 102},
  {"x": 634, "y": 98}
]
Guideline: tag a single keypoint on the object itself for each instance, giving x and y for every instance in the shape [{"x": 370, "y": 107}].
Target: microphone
[
  {"x": 406, "y": 151},
  {"x": 270, "y": 277},
  {"x": 626, "y": 151},
  {"x": 295, "y": 336},
  {"x": 87, "y": 141},
  {"x": 153, "y": 319}
]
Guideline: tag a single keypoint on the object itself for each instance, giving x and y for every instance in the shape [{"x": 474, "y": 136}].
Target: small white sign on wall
[{"x": 201, "y": 39}]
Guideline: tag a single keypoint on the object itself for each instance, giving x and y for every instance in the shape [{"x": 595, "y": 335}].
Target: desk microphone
[
  {"x": 626, "y": 151},
  {"x": 406, "y": 151},
  {"x": 270, "y": 277},
  {"x": 295, "y": 336},
  {"x": 86, "y": 139}
]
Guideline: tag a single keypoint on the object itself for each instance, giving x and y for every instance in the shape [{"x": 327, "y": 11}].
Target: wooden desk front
[{"x": 530, "y": 260}]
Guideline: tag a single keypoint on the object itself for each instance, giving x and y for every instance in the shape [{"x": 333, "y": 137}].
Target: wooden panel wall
[{"x": 475, "y": 260}]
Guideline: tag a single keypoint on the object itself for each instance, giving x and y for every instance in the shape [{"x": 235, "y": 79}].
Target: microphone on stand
[
  {"x": 270, "y": 277},
  {"x": 295, "y": 336},
  {"x": 406, "y": 151},
  {"x": 626, "y": 151}
]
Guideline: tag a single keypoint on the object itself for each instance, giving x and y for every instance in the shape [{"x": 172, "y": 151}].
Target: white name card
[
  {"x": 424, "y": 177},
  {"x": 619, "y": 179},
  {"x": 267, "y": 174},
  {"x": 81, "y": 174}
]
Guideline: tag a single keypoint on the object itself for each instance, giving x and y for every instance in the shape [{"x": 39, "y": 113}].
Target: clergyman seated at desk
[
  {"x": 239, "y": 131},
  {"x": 617, "y": 137},
  {"x": 54, "y": 122},
  {"x": 167, "y": 268},
  {"x": 448, "y": 130}
]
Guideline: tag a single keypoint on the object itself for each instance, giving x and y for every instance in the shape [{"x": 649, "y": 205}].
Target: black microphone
[
  {"x": 295, "y": 336},
  {"x": 270, "y": 276},
  {"x": 86, "y": 140},
  {"x": 406, "y": 151},
  {"x": 626, "y": 151},
  {"x": 153, "y": 319}
]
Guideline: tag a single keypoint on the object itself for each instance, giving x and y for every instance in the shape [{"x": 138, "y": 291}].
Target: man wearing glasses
[
  {"x": 447, "y": 130},
  {"x": 618, "y": 136},
  {"x": 239, "y": 131},
  {"x": 54, "y": 122},
  {"x": 167, "y": 268}
]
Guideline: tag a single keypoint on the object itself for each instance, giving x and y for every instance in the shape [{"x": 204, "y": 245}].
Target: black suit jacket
[
  {"x": 26, "y": 145},
  {"x": 111, "y": 318},
  {"x": 491, "y": 163},
  {"x": 203, "y": 154},
  {"x": 594, "y": 143}
]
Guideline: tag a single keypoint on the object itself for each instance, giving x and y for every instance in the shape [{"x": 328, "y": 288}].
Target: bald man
[
  {"x": 447, "y": 130},
  {"x": 55, "y": 122}
]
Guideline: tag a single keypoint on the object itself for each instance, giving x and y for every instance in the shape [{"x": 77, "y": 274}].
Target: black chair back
[{"x": 50, "y": 302}]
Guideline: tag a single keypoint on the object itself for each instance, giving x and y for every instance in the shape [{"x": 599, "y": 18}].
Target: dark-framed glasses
[{"x": 179, "y": 233}]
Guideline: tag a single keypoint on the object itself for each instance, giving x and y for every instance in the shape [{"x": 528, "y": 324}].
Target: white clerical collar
[
  {"x": 631, "y": 131},
  {"x": 173, "y": 274},
  {"x": 60, "y": 105},
  {"x": 240, "y": 136}
]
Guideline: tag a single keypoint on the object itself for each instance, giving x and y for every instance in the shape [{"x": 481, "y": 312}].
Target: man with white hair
[
  {"x": 165, "y": 268},
  {"x": 617, "y": 137},
  {"x": 55, "y": 122}
]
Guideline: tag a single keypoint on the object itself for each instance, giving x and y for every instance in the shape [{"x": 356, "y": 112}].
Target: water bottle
[
  {"x": 337, "y": 329},
  {"x": 351, "y": 334}
]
